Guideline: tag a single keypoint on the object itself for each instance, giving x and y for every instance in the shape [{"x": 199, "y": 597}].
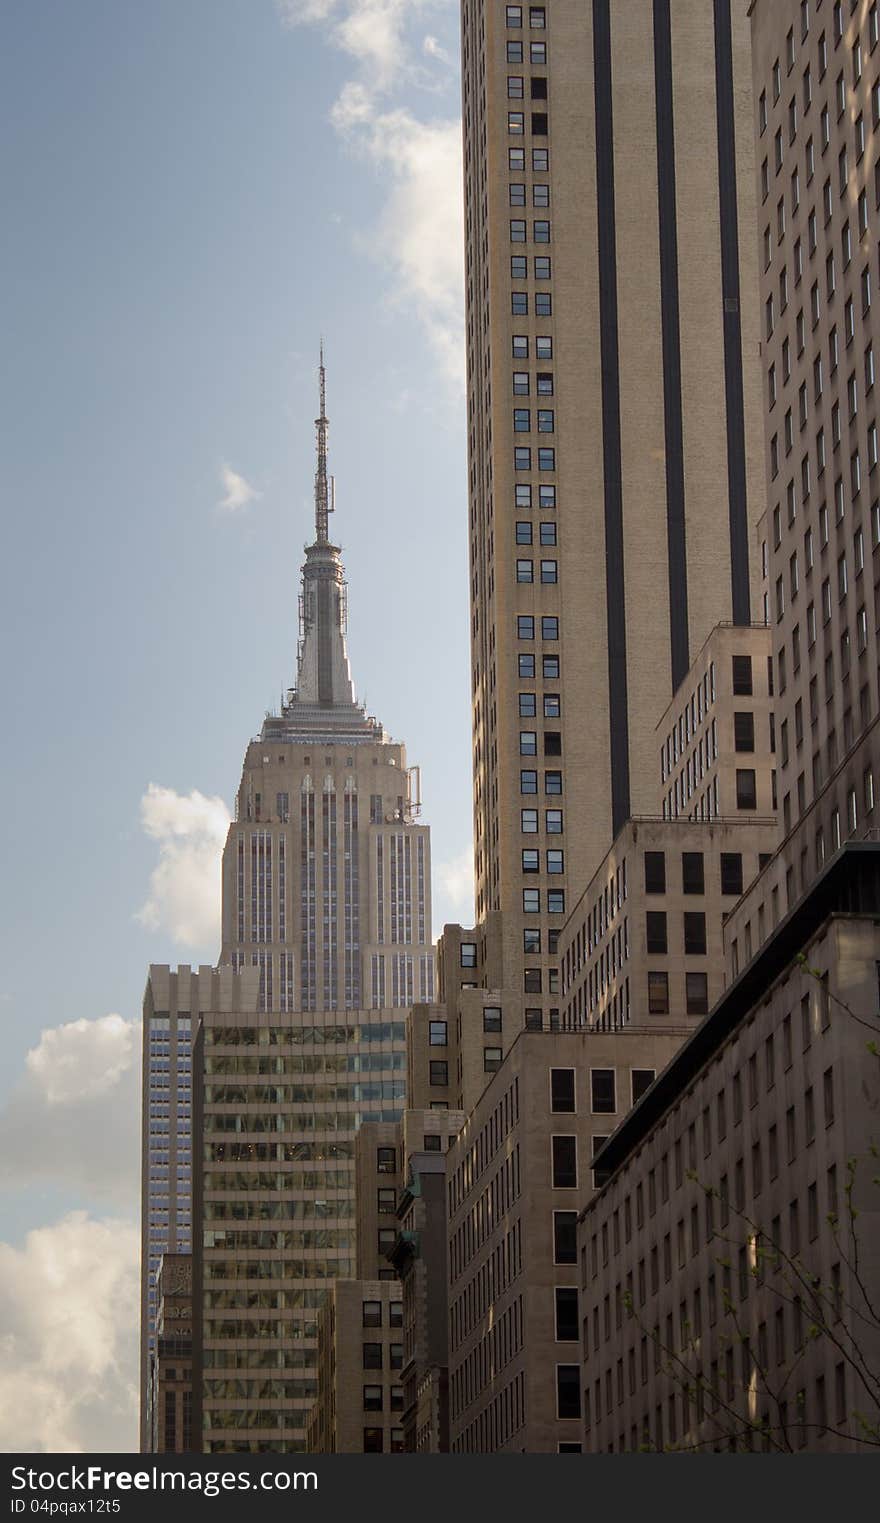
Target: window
[
  {"x": 372, "y": 1356},
  {"x": 528, "y": 782},
  {"x": 694, "y": 933},
  {"x": 655, "y": 929},
  {"x": 655, "y": 872},
  {"x": 385, "y": 1160},
  {"x": 492, "y": 1015},
  {"x": 697, "y": 993},
  {"x": 603, "y": 1099},
  {"x": 528, "y": 743},
  {"x": 565, "y": 1237},
  {"x": 642, "y": 1079},
  {"x": 562, "y": 1089},
  {"x": 567, "y": 1330},
  {"x": 731, "y": 872},
  {"x": 658, "y": 993},
  {"x": 746, "y": 791},
  {"x": 568, "y": 1391},
  {"x": 742, "y": 676},
  {"x": 692, "y": 875},
  {"x": 491, "y": 1059},
  {"x": 436, "y": 1033},
  {"x": 564, "y": 1150},
  {"x": 371, "y": 1314},
  {"x": 438, "y": 1072}
]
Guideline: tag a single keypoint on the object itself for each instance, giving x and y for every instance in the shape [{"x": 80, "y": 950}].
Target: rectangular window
[
  {"x": 567, "y": 1330},
  {"x": 697, "y": 993},
  {"x": 692, "y": 875},
  {"x": 603, "y": 1100},
  {"x": 564, "y": 1163},
  {"x": 694, "y": 933},
  {"x": 642, "y": 1079},
  {"x": 562, "y": 1089},
  {"x": 742, "y": 676},
  {"x": 568, "y": 1391},
  {"x": 655, "y": 933},
  {"x": 731, "y": 873},
  {"x": 565, "y": 1237},
  {"x": 746, "y": 789}
]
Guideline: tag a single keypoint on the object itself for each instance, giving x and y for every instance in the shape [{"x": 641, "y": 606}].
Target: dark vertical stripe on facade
[
  {"x": 670, "y": 322},
  {"x": 733, "y": 370},
  {"x": 614, "y": 578}
]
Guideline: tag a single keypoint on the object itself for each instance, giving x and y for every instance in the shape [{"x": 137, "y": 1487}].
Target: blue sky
[{"x": 195, "y": 191}]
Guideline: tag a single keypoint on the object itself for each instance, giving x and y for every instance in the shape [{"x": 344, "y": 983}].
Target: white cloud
[
  {"x": 237, "y": 492},
  {"x": 68, "y": 1338},
  {"x": 82, "y": 1058},
  {"x": 435, "y": 49},
  {"x": 73, "y": 1119},
  {"x": 454, "y": 894},
  {"x": 418, "y": 235},
  {"x": 184, "y": 896},
  {"x": 371, "y": 31}
]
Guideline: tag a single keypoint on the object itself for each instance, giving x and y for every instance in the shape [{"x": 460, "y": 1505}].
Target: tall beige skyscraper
[
  {"x": 817, "y": 114},
  {"x": 326, "y": 870},
  {"x": 614, "y": 415}
]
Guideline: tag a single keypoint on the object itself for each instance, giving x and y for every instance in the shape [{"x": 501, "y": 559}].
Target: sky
[{"x": 196, "y": 191}]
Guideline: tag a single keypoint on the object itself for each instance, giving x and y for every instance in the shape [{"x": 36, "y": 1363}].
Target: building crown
[{"x": 323, "y": 699}]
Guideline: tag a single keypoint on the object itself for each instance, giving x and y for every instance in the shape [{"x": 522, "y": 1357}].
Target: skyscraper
[
  {"x": 326, "y": 871},
  {"x": 299, "y": 1035},
  {"x": 614, "y": 415},
  {"x": 817, "y": 114}
]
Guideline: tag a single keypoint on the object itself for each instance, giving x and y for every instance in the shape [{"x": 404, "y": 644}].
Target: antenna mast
[{"x": 323, "y": 504}]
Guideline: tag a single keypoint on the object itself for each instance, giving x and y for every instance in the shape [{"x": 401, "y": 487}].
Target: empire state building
[{"x": 326, "y": 872}]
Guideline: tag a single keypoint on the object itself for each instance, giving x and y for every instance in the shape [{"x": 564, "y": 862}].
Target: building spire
[{"x": 324, "y": 492}]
